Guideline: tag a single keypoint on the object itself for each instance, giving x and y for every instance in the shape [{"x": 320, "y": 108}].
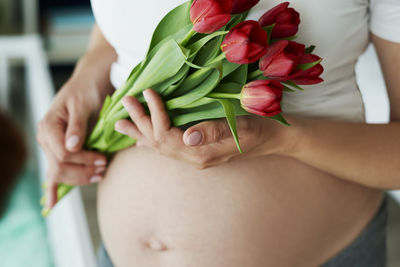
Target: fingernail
[
  {"x": 72, "y": 142},
  {"x": 194, "y": 138},
  {"x": 146, "y": 95},
  {"x": 100, "y": 162},
  {"x": 95, "y": 179},
  {"x": 123, "y": 101},
  {"x": 49, "y": 199},
  {"x": 117, "y": 127},
  {"x": 99, "y": 170}
]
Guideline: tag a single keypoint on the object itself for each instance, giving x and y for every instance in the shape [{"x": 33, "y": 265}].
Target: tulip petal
[
  {"x": 239, "y": 6},
  {"x": 208, "y": 16},
  {"x": 262, "y": 97},
  {"x": 282, "y": 66},
  {"x": 286, "y": 20},
  {"x": 273, "y": 50},
  {"x": 284, "y": 30},
  {"x": 245, "y": 43},
  {"x": 211, "y": 24},
  {"x": 269, "y": 17}
]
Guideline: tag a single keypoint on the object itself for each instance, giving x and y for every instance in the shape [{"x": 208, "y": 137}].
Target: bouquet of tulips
[{"x": 206, "y": 62}]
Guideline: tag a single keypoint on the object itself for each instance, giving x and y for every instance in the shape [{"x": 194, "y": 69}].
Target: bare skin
[
  {"x": 264, "y": 211},
  {"x": 168, "y": 203}
]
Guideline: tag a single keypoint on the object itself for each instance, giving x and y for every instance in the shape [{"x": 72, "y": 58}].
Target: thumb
[
  {"x": 207, "y": 132},
  {"x": 76, "y": 130}
]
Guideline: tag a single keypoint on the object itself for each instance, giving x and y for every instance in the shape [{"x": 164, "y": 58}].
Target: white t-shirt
[{"x": 339, "y": 29}]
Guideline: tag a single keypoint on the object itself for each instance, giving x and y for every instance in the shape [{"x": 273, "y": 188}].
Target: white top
[{"x": 339, "y": 29}]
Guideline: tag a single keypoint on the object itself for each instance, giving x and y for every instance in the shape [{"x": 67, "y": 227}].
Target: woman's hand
[
  {"x": 62, "y": 133},
  {"x": 63, "y": 130},
  {"x": 204, "y": 145}
]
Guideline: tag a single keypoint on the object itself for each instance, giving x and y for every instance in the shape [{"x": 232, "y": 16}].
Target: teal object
[{"x": 23, "y": 235}]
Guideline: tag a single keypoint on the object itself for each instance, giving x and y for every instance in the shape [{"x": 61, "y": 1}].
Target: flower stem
[
  {"x": 218, "y": 58},
  {"x": 224, "y": 95},
  {"x": 254, "y": 74},
  {"x": 188, "y": 36}
]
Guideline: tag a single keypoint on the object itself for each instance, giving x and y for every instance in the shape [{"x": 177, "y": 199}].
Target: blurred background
[{"x": 40, "y": 41}]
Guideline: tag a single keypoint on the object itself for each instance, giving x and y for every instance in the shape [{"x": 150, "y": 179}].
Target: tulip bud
[
  {"x": 262, "y": 97},
  {"x": 286, "y": 20},
  {"x": 281, "y": 60},
  {"x": 245, "y": 43},
  {"x": 208, "y": 16},
  {"x": 239, "y": 6},
  {"x": 311, "y": 75}
]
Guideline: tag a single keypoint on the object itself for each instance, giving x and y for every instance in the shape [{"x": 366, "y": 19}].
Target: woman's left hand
[{"x": 205, "y": 144}]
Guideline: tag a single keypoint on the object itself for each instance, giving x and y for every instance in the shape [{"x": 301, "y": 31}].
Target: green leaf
[
  {"x": 192, "y": 81},
  {"x": 199, "y": 102},
  {"x": 122, "y": 142},
  {"x": 310, "y": 49},
  {"x": 236, "y": 19},
  {"x": 287, "y": 89},
  {"x": 269, "y": 29},
  {"x": 201, "y": 90},
  {"x": 237, "y": 73},
  {"x": 279, "y": 118},
  {"x": 165, "y": 64},
  {"x": 308, "y": 65},
  {"x": 294, "y": 85},
  {"x": 290, "y": 38},
  {"x": 107, "y": 102},
  {"x": 208, "y": 111},
  {"x": 177, "y": 78},
  {"x": 195, "y": 47},
  {"x": 230, "y": 114},
  {"x": 228, "y": 87},
  {"x": 173, "y": 22}
]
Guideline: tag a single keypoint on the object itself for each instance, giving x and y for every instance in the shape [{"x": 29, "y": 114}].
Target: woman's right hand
[{"x": 62, "y": 133}]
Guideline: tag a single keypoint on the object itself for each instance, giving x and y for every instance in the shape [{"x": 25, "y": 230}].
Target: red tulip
[
  {"x": 245, "y": 43},
  {"x": 262, "y": 97},
  {"x": 310, "y": 76},
  {"x": 239, "y": 6},
  {"x": 286, "y": 20},
  {"x": 208, "y": 16},
  {"x": 281, "y": 60}
]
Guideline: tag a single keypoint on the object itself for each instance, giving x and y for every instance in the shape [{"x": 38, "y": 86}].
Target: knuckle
[
  {"x": 203, "y": 161},
  {"x": 154, "y": 144},
  {"x": 216, "y": 134},
  {"x": 245, "y": 125},
  {"x": 159, "y": 138},
  {"x": 62, "y": 155},
  {"x": 75, "y": 102}
]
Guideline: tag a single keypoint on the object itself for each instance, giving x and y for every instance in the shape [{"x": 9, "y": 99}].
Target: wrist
[{"x": 292, "y": 137}]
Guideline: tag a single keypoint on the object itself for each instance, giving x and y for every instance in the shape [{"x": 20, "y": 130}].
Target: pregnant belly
[{"x": 267, "y": 211}]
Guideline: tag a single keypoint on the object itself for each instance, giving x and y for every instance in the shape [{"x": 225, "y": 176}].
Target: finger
[
  {"x": 138, "y": 116},
  {"x": 51, "y": 136},
  {"x": 82, "y": 157},
  {"x": 159, "y": 117},
  {"x": 207, "y": 132},
  {"x": 73, "y": 174},
  {"x": 76, "y": 128},
  {"x": 85, "y": 157},
  {"x": 128, "y": 128},
  {"x": 51, "y": 194}
]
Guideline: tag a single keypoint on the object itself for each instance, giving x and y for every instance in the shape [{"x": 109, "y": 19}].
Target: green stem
[
  {"x": 255, "y": 74},
  {"x": 219, "y": 58},
  {"x": 224, "y": 95},
  {"x": 188, "y": 36}
]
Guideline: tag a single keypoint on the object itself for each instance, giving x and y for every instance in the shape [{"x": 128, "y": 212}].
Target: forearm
[
  {"x": 96, "y": 63},
  {"x": 362, "y": 153}
]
